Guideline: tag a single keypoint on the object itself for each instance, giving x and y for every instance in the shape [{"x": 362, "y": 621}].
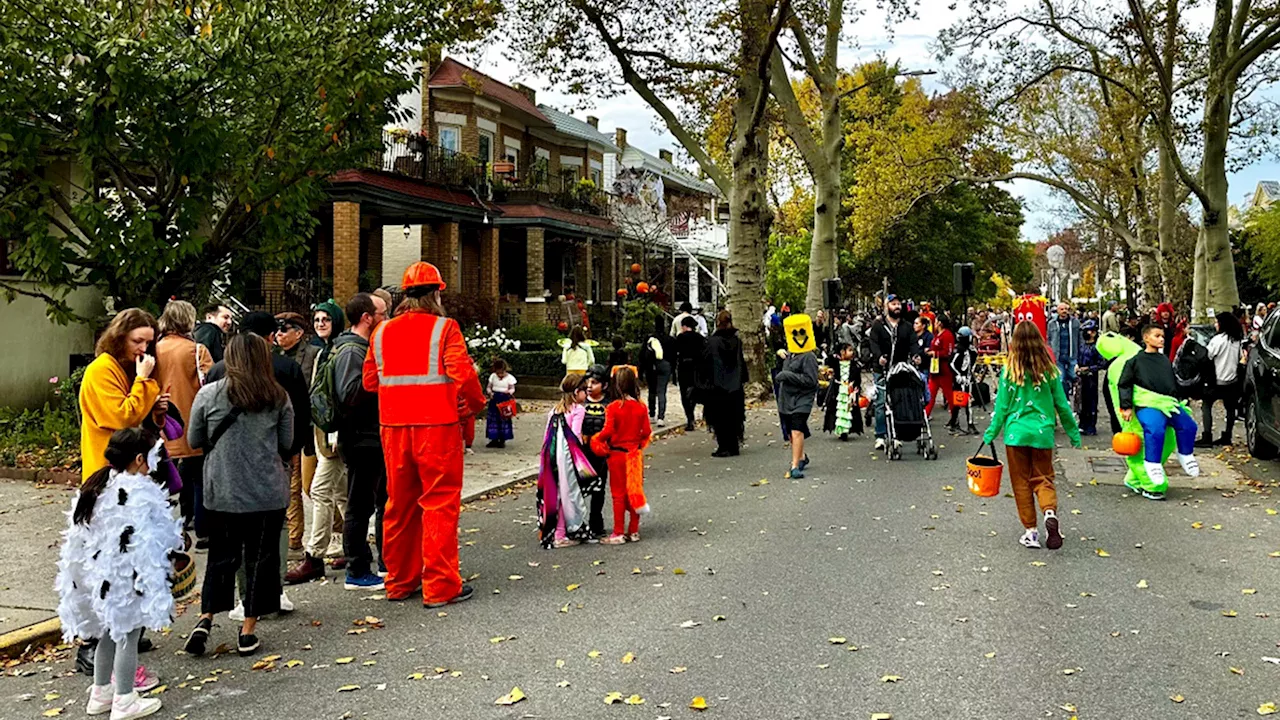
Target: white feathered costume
[{"x": 113, "y": 573}]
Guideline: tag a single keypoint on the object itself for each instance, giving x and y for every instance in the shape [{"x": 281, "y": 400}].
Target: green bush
[
  {"x": 545, "y": 363},
  {"x": 48, "y": 437},
  {"x": 533, "y": 336},
  {"x": 637, "y": 324}
]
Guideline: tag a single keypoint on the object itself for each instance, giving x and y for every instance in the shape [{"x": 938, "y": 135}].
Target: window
[
  {"x": 486, "y": 147},
  {"x": 450, "y": 138},
  {"x": 511, "y": 155},
  {"x": 568, "y": 176},
  {"x": 597, "y": 177}
]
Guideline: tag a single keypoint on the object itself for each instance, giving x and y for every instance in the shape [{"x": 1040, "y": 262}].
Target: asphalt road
[{"x": 742, "y": 586}]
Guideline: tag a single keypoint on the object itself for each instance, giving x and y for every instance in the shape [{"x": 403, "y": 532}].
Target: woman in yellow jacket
[{"x": 118, "y": 391}]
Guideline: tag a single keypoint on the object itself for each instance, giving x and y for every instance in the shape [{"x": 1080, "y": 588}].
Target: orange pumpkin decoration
[
  {"x": 642, "y": 287},
  {"x": 635, "y": 267},
  {"x": 863, "y": 402},
  {"x": 563, "y": 326},
  {"x": 1126, "y": 443},
  {"x": 622, "y": 292}
]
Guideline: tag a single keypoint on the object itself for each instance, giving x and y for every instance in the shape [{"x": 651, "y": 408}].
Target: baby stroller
[{"x": 904, "y": 413}]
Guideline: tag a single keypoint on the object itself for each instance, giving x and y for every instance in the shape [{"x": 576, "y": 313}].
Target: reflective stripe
[{"x": 434, "y": 377}]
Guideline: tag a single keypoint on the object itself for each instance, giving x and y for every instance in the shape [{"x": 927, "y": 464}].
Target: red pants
[
  {"x": 626, "y": 483},
  {"x": 468, "y": 430},
  {"x": 424, "y": 498},
  {"x": 939, "y": 381}
]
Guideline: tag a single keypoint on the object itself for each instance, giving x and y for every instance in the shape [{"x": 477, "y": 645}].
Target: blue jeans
[
  {"x": 881, "y": 396},
  {"x": 1067, "y": 369},
  {"x": 1154, "y": 423}
]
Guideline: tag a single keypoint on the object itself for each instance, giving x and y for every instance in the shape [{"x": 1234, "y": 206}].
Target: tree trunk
[
  {"x": 1168, "y": 212},
  {"x": 1215, "y": 282},
  {"x": 824, "y": 254}
]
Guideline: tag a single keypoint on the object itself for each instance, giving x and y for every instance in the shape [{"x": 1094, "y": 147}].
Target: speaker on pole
[
  {"x": 962, "y": 279},
  {"x": 831, "y": 292}
]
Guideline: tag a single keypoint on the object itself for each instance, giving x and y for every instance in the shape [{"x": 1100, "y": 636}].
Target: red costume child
[{"x": 623, "y": 439}]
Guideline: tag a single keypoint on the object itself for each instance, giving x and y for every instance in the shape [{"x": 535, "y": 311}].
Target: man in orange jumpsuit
[{"x": 419, "y": 366}]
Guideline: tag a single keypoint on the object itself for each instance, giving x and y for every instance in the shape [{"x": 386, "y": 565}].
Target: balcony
[
  {"x": 417, "y": 157},
  {"x": 542, "y": 188}
]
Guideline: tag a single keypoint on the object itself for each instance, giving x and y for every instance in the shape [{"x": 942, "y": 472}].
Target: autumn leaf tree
[
  {"x": 686, "y": 60},
  {"x": 147, "y": 149}
]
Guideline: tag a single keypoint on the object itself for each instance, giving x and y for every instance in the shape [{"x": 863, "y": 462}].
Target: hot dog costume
[{"x": 1120, "y": 350}]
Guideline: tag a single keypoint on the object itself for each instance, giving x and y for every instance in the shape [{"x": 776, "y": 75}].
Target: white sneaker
[
  {"x": 1030, "y": 538},
  {"x": 286, "y": 605},
  {"x": 662, "y": 422},
  {"x": 471, "y": 451},
  {"x": 1155, "y": 471},
  {"x": 237, "y": 613},
  {"x": 128, "y": 707},
  {"x": 879, "y": 443},
  {"x": 335, "y": 548},
  {"x": 100, "y": 697},
  {"x": 1189, "y": 464}
]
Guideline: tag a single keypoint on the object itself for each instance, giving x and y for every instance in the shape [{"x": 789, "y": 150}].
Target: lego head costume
[
  {"x": 1120, "y": 350},
  {"x": 799, "y": 332},
  {"x": 1031, "y": 307}
]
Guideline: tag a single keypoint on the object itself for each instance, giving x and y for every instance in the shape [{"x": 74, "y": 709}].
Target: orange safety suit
[{"x": 419, "y": 366}]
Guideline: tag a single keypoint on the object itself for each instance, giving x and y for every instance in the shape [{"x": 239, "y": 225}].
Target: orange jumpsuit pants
[{"x": 424, "y": 499}]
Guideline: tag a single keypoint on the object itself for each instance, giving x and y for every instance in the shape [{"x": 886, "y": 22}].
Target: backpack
[
  {"x": 326, "y": 410},
  {"x": 1189, "y": 368}
]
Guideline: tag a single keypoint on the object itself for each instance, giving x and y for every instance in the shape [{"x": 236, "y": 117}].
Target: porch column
[
  {"x": 582, "y": 279},
  {"x": 693, "y": 282},
  {"x": 346, "y": 250},
  {"x": 535, "y": 258},
  {"x": 489, "y": 263},
  {"x": 609, "y": 293},
  {"x": 670, "y": 283},
  {"x": 448, "y": 250}
]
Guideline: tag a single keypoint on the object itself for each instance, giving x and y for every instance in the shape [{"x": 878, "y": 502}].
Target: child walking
[
  {"x": 963, "y": 360},
  {"x": 1090, "y": 365},
  {"x": 501, "y": 388},
  {"x": 1148, "y": 388},
  {"x": 623, "y": 439},
  {"x": 1029, "y": 397},
  {"x": 844, "y": 384},
  {"x": 597, "y": 387},
  {"x": 565, "y": 473},
  {"x": 113, "y": 573}
]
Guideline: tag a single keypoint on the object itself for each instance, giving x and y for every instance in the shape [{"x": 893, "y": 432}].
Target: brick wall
[
  {"x": 346, "y": 250},
  {"x": 371, "y": 254},
  {"x": 535, "y": 312},
  {"x": 582, "y": 270},
  {"x": 489, "y": 261},
  {"x": 448, "y": 253}
]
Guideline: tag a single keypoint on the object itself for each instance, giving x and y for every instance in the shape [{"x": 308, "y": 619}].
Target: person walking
[
  {"x": 938, "y": 357},
  {"x": 797, "y": 387},
  {"x": 723, "y": 378},
  {"x": 181, "y": 367},
  {"x": 565, "y": 473},
  {"x": 655, "y": 367},
  {"x": 212, "y": 332},
  {"x": 686, "y": 310},
  {"x": 1090, "y": 365},
  {"x": 419, "y": 367},
  {"x": 1063, "y": 336},
  {"x": 360, "y": 444},
  {"x": 501, "y": 388},
  {"x": 1224, "y": 351},
  {"x": 690, "y": 346},
  {"x": 1029, "y": 398},
  {"x": 1111, "y": 318},
  {"x": 597, "y": 385},
  {"x": 578, "y": 354},
  {"x": 892, "y": 342},
  {"x": 245, "y": 425}
]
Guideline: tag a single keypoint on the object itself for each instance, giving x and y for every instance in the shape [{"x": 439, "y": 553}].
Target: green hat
[{"x": 335, "y": 314}]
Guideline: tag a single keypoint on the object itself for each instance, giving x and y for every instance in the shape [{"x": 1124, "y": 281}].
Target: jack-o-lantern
[
  {"x": 635, "y": 268},
  {"x": 622, "y": 292},
  {"x": 563, "y": 326},
  {"x": 642, "y": 287}
]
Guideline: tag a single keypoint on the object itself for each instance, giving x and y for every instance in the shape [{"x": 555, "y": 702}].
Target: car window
[{"x": 1271, "y": 332}]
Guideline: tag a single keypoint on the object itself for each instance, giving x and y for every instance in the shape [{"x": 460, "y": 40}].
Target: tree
[
  {"x": 149, "y": 148},
  {"x": 685, "y": 60}
]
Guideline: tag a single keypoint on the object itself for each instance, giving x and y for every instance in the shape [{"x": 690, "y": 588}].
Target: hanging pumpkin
[
  {"x": 563, "y": 326},
  {"x": 1126, "y": 443},
  {"x": 642, "y": 287},
  {"x": 635, "y": 268},
  {"x": 622, "y": 292}
]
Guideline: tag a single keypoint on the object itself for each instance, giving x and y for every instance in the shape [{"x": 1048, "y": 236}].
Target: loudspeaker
[
  {"x": 831, "y": 291},
  {"x": 962, "y": 278}
]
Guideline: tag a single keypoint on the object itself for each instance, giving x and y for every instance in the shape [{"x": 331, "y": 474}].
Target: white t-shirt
[
  {"x": 1225, "y": 354},
  {"x": 505, "y": 384}
]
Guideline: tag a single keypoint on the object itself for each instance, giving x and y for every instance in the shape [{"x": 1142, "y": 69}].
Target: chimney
[
  {"x": 665, "y": 155},
  {"x": 431, "y": 59},
  {"x": 527, "y": 92},
  {"x": 593, "y": 121},
  {"x": 620, "y": 138}
]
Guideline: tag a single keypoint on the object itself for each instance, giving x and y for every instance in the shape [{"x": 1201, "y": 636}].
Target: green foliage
[
  {"x": 1251, "y": 271},
  {"x": 200, "y": 133},
  {"x": 787, "y": 268},
  {"x": 534, "y": 336},
  {"x": 47, "y": 437},
  {"x": 1260, "y": 252},
  {"x": 638, "y": 320}
]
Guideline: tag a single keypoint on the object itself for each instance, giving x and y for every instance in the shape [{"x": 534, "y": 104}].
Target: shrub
[
  {"x": 535, "y": 336},
  {"x": 48, "y": 437},
  {"x": 637, "y": 324}
]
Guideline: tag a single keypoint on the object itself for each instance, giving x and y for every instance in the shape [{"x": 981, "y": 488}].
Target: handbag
[{"x": 507, "y": 409}]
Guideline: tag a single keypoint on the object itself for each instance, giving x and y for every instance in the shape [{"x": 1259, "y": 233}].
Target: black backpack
[{"x": 1192, "y": 369}]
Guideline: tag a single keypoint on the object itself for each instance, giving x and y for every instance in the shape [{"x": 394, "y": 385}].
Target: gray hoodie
[
  {"x": 797, "y": 383},
  {"x": 244, "y": 472}
]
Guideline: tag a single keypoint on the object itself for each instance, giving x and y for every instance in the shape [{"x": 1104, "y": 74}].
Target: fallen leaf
[
  {"x": 559, "y": 664},
  {"x": 837, "y": 640},
  {"x": 890, "y": 678},
  {"x": 677, "y": 571},
  {"x": 700, "y": 703},
  {"x": 294, "y": 663},
  {"x": 1248, "y": 591},
  {"x": 1229, "y": 613},
  {"x": 572, "y": 587},
  {"x": 989, "y": 655},
  {"x": 562, "y": 684},
  {"x": 593, "y": 654},
  {"x": 1217, "y": 527},
  {"x": 348, "y": 688},
  {"x": 824, "y": 666},
  {"x": 55, "y": 696},
  {"x": 1236, "y": 671},
  {"x": 881, "y": 716},
  {"x": 1037, "y": 563},
  {"x": 690, "y": 624},
  {"x": 947, "y": 488},
  {"x": 677, "y": 670},
  {"x": 515, "y": 577},
  {"x": 1177, "y": 698},
  {"x": 1102, "y": 553},
  {"x": 1197, "y": 525},
  {"x": 634, "y": 700},
  {"x": 344, "y": 661},
  {"x": 1142, "y": 585},
  {"x": 718, "y": 618},
  {"x": 1069, "y": 671},
  {"x": 52, "y": 712},
  {"x": 612, "y": 698},
  {"x": 507, "y": 547},
  {"x": 1267, "y": 709},
  {"x": 511, "y": 698},
  {"x": 628, "y": 658}
]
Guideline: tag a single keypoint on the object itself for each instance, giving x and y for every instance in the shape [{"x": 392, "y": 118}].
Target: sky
[{"x": 911, "y": 43}]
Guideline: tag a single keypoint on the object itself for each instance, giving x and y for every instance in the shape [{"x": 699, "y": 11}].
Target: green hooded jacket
[{"x": 1025, "y": 413}]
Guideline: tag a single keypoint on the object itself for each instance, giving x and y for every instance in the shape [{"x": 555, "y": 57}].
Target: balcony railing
[
  {"x": 417, "y": 157},
  {"x": 542, "y": 187}
]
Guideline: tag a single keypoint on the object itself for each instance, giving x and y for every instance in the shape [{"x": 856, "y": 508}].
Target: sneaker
[
  {"x": 470, "y": 451},
  {"x": 198, "y": 638},
  {"x": 804, "y": 463},
  {"x": 335, "y": 548},
  {"x": 100, "y": 698},
  {"x": 1129, "y": 484},
  {"x": 462, "y": 596},
  {"x": 308, "y": 569},
  {"x": 403, "y": 597},
  {"x": 286, "y": 605},
  {"x": 1053, "y": 538},
  {"x": 564, "y": 543},
  {"x": 202, "y": 544},
  {"x": 1190, "y": 465},
  {"x": 247, "y": 645},
  {"x": 1150, "y": 495},
  {"x": 128, "y": 707},
  {"x": 1030, "y": 538},
  {"x": 662, "y": 422},
  {"x": 633, "y": 537},
  {"x": 879, "y": 443},
  {"x": 84, "y": 658},
  {"x": 795, "y": 474},
  {"x": 1224, "y": 439},
  {"x": 237, "y": 613},
  {"x": 368, "y": 581},
  {"x": 143, "y": 680},
  {"x": 1155, "y": 473},
  {"x": 614, "y": 540}
]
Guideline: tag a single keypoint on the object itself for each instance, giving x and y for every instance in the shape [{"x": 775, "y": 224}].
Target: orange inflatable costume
[{"x": 419, "y": 366}]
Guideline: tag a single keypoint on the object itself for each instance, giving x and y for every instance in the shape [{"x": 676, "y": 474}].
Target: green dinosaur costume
[{"x": 1122, "y": 349}]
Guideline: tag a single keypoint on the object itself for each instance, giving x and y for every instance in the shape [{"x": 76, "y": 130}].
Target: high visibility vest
[{"x": 413, "y": 386}]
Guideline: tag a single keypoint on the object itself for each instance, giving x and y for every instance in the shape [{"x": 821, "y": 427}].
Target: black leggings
[
  {"x": 1230, "y": 396},
  {"x": 252, "y": 538}
]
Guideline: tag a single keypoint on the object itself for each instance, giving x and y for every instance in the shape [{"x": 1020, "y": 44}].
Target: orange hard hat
[{"x": 421, "y": 273}]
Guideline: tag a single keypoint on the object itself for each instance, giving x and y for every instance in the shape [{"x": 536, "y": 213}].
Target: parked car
[{"x": 1262, "y": 392}]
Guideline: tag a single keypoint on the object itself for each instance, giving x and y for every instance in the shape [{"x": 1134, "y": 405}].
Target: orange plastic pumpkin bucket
[
  {"x": 863, "y": 401},
  {"x": 959, "y": 399},
  {"x": 984, "y": 473},
  {"x": 1126, "y": 443}
]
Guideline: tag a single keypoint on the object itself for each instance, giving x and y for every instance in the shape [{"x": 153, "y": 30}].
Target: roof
[
  {"x": 1270, "y": 189},
  {"x": 634, "y": 157},
  {"x": 567, "y": 124},
  {"x": 513, "y": 214},
  {"x": 453, "y": 74},
  {"x": 408, "y": 186}
]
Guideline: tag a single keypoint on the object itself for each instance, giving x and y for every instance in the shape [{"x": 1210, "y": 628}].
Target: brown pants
[
  {"x": 294, "y": 516},
  {"x": 1031, "y": 475}
]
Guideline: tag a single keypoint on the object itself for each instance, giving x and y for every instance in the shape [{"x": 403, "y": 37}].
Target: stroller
[{"x": 904, "y": 413}]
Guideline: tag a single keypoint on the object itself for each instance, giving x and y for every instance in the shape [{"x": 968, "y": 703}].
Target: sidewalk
[{"x": 32, "y": 517}]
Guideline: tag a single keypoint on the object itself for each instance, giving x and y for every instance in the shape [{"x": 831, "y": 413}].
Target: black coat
[
  {"x": 724, "y": 366},
  {"x": 690, "y": 347},
  {"x": 883, "y": 343}
]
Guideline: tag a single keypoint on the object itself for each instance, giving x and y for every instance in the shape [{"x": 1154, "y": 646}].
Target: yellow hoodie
[{"x": 109, "y": 402}]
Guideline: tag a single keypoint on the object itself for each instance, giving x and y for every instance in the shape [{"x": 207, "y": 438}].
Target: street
[{"x": 865, "y": 588}]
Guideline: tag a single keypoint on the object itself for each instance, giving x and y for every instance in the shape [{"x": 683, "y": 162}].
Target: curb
[
  {"x": 508, "y": 484},
  {"x": 16, "y": 642},
  {"x": 55, "y": 477}
]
